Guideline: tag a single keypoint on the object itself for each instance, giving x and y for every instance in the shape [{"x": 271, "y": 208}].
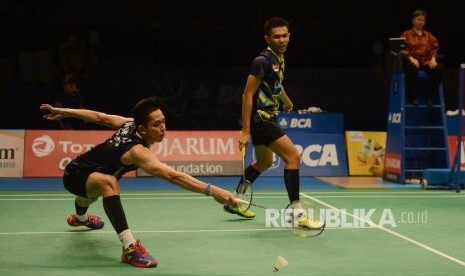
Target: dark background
[{"x": 334, "y": 35}]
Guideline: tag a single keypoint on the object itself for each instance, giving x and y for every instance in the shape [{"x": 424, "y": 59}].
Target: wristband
[{"x": 207, "y": 190}]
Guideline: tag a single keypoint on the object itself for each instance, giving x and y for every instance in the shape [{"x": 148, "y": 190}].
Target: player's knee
[
  {"x": 293, "y": 160},
  {"x": 85, "y": 201},
  {"x": 92, "y": 200},
  {"x": 109, "y": 185},
  {"x": 267, "y": 164},
  {"x": 297, "y": 159}
]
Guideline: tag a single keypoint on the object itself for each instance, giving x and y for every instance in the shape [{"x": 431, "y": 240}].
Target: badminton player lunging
[
  {"x": 96, "y": 172},
  {"x": 260, "y": 105}
]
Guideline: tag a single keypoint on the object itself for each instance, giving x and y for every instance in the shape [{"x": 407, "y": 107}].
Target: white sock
[
  {"x": 296, "y": 204},
  {"x": 299, "y": 212},
  {"x": 82, "y": 218},
  {"x": 126, "y": 238}
]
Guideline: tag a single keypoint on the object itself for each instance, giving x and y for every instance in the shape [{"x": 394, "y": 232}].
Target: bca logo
[
  {"x": 283, "y": 123},
  {"x": 301, "y": 123},
  {"x": 394, "y": 118}
]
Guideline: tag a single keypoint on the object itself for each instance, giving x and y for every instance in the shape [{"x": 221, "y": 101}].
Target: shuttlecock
[{"x": 280, "y": 263}]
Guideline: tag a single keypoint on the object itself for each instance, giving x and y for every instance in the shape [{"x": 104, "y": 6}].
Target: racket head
[
  {"x": 245, "y": 192},
  {"x": 311, "y": 212}
]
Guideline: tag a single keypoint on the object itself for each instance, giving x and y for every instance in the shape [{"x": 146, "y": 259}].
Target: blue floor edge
[
  {"x": 226, "y": 182},
  {"x": 151, "y": 183}
]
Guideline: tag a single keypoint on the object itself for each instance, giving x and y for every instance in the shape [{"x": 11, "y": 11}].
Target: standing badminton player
[
  {"x": 261, "y": 101},
  {"x": 96, "y": 172}
]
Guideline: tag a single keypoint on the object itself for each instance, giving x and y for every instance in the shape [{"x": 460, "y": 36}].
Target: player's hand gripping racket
[
  {"x": 304, "y": 219},
  {"x": 244, "y": 190}
]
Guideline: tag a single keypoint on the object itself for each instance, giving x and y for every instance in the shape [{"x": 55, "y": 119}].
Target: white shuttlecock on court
[{"x": 280, "y": 263}]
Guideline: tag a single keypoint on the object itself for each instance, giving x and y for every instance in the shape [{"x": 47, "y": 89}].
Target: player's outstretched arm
[
  {"x": 148, "y": 162},
  {"x": 108, "y": 120}
]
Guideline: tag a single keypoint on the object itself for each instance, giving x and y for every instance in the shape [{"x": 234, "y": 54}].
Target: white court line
[
  {"x": 424, "y": 246},
  {"x": 129, "y": 198},
  {"x": 129, "y": 194},
  {"x": 135, "y": 231},
  {"x": 88, "y": 231},
  {"x": 392, "y": 196},
  {"x": 257, "y": 192},
  {"x": 123, "y": 198},
  {"x": 196, "y": 197}
]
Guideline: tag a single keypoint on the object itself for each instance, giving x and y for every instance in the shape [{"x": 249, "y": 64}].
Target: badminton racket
[
  {"x": 248, "y": 203},
  {"x": 304, "y": 219},
  {"x": 244, "y": 191}
]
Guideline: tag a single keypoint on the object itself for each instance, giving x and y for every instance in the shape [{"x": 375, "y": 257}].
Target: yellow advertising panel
[{"x": 365, "y": 152}]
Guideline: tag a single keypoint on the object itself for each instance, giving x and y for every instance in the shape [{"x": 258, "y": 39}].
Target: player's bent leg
[
  {"x": 136, "y": 255},
  {"x": 264, "y": 158},
  {"x": 97, "y": 184}
]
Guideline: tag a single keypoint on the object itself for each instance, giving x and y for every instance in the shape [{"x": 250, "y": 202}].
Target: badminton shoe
[
  {"x": 304, "y": 222},
  {"x": 236, "y": 210},
  {"x": 300, "y": 216},
  {"x": 136, "y": 255},
  {"x": 93, "y": 222},
  {"x": 311, "y": 224}
]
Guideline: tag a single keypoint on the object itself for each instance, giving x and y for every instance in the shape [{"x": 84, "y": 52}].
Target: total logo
[
  {"x": 295, "y": 123},
  {"x": 43, "y": 146}
]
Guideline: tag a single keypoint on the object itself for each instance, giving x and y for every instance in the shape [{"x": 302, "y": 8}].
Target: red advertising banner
[
  {"x": 47, "y": 152},
  {"x": 206, "y": 153},
  {"x": 392, "y": 162},
  {"x": 452, "y": 140}
]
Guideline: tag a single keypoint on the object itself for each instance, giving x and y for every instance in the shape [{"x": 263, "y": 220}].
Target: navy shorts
[
  {"x": 264, "y": 132},
  {"x": 75, "y": 179}
]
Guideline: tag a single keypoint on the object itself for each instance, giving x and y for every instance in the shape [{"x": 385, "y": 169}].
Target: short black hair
[
  {"x": 143, "y": 108},
  {"x": 418, "y": 13},
  {"x": 275, "y": 22}
]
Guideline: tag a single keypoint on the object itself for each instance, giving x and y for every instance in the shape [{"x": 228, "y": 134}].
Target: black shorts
[
  {"x": 75, "y": 179},
  {"x": 264, "y": 132}
]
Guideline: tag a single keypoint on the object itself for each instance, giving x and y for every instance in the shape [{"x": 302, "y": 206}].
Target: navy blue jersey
[
  {"x": 105, "y": 157},
  {"x": 271, "y": 70}
]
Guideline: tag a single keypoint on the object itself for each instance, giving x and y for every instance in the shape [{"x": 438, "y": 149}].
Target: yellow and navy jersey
[
  {"x": 105, "y": 157},
  {"x": 270, "y": 68}
]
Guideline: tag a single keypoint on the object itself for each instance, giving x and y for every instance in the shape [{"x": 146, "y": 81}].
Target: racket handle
[
  {"x": 240, "y": 200},
  {"x": 243, "y": 151}
]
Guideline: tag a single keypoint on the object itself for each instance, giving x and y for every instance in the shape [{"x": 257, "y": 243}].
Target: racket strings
[
  {"x": 243, "y": 187},
  {"x": 244, "y": 192},
  {"x": 304, "y": 219}
]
